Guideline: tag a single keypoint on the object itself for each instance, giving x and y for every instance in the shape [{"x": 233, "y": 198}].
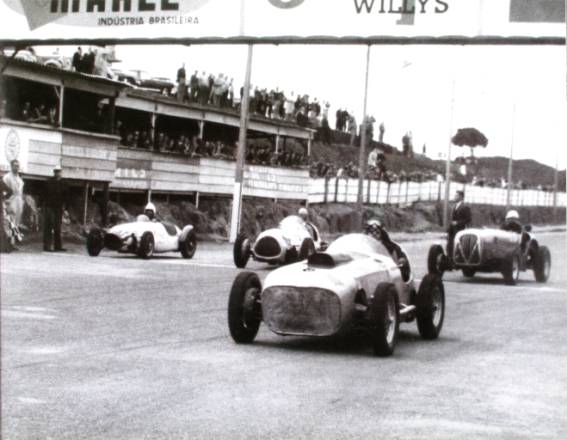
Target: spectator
[
  {"x": 194, "y": 86},
  {"x": 352, "y": 129},
  {"x": 15, "y": 203},
  {"x": 182, "y": 84},
  {"x": 53, "y": 212},
  {"x": 77, "y": 63}
]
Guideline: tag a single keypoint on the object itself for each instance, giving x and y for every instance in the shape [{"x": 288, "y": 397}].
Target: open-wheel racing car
[
  {"x": 293, "y": 240},
  {"x": 491, "y": 251},
  {"x": 143, "y": 238},
  {"x": 353, "y": 285}
]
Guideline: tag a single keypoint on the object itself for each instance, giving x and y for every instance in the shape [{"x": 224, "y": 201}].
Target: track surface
[{"x": 118, "y": 348}]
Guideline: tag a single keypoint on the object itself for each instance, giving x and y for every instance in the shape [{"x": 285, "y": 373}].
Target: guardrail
[{"x": 341, "y": 190}]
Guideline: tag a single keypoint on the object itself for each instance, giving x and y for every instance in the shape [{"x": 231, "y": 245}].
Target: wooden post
[
  {"x": 510, "y": 162},
  {"x": 197, "y": 199},
  {"x": 86, "y": 204},
  {"x": 326, "y": 188},
  {"x": 241, "y": 153},
  {"x": 105, "y": 200},
  {"x": 448, "y": 164},
  {"x": 61, "y": 104},
  {"x": 362, "y": 153},
  {"x": 277, "y": 143},
  {"x": 201, "y": 129},
  {"x": 111, "y": 116}
]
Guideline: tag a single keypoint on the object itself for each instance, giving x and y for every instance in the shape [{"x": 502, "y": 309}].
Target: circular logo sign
[
  {"x": 12, "y": 145},
  {"x": 286, "y": 4}
]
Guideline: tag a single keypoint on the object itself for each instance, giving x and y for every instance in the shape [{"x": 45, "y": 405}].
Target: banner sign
[{"x": 207, "y": 19}]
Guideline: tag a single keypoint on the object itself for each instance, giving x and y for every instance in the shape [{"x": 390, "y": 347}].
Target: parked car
[
  {"x": 143, "y": 238},
  {"x": 293, "y": 240},
  {"x": 493, "y": 250},
  {"x": 354, "y": 284}
]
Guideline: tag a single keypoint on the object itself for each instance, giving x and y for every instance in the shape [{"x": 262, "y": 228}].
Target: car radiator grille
[
  {"x": 267, "y": 247},
  {"x": 301, "y": 311},
  {"x": 468, "y": 249}
]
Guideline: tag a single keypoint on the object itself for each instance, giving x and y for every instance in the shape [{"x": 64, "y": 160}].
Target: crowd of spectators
[
  {"x": 40, "y": 113},
  {"x": 192, "y": 146}
]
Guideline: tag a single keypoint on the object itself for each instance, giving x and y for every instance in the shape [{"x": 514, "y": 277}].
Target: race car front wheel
[
  {"x": 511, "y": 270},
  {"x": 385, "y": 319},
  {"x": 241, "y": 251},
  {"x": 146, "y": 247},
  {"x": 430, "y": 304},
  {"x": 436, "y": 260},
  {"x": 542, "y": 264},
  {"x": 188, "y": 245},
  {"x": 244, "y": 309},
  {"x": 95, "y": 242}
]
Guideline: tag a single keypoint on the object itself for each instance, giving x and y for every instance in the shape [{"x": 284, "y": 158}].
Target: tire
[
  {"x": 385, "y": 319},
  {"x": 307, "y": 249},
  {"x": 430, "y": 305},
  {"x": 542, "y": 264},
  {"x": 95, "y": 242},
  {"x": 511, "y": 270},
  {"x": 188, "y": 246},
  {"x": 436, "y": 259},
  {"x": 244, "y": 310},
  {"x": 146, "y": 246},
  {"x": 469, "y": 272},
  {"x": 241, "y": 251}
]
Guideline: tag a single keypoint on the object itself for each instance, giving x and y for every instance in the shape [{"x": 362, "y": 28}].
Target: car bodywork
[
  {"x": 129, "y": 238},
  {"x": 492, "y": 250},
  {"x": 339, "y": 290},
  {"x": 280, "y": 245}
]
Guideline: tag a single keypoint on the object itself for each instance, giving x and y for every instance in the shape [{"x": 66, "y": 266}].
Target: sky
[{"x": 515, "y": 95}]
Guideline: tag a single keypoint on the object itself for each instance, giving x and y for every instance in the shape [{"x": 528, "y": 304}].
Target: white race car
[
  {"x": 293, "y": 240},
  {"x": 143, "y": 238},
  {"x": 354, "y": 284}
]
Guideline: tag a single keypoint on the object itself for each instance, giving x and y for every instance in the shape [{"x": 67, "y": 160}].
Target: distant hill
[{"x": 528, "y": 171}]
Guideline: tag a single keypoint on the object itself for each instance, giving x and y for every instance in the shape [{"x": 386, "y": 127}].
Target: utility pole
[{"x": 362, "y": 154}]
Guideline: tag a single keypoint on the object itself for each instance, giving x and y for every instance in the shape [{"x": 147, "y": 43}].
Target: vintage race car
[
  {"x": 293, "y": 240},
  {"x": 493, "y": 250},
  {"x": 143, "y": 238},
  {"x": 354, "y": 284}
]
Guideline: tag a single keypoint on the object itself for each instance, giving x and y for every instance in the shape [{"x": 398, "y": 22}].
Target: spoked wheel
[
  {"x": 542, "y": 264},
  {"x": 244, "y": 308},
  {"x": 436, "y": 260},
  {"x": 430, "y": 304},
  {"x": 385, "y": 319},
  {"x": 188, "y": 246},
  {"x": 95, "y": 242},
  {"x": 307, "y": 249},
  {"x": 511, "y": 270},
  {"x": 147, "y": 246},
  {"x": 241, "y": 251}
]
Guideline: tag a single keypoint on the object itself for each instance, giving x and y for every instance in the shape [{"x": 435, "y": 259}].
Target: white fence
[{"x": 340, "y": 190}]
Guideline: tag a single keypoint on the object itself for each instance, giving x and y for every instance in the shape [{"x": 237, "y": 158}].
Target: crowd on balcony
[{"x": 36, "y": 113}]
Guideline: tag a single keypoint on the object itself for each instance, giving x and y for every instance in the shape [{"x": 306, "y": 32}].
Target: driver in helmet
[
  {"x": 512, "y": 222},
  {"x": 375, "y": 229},
  {"x": 149, "y": 214}
]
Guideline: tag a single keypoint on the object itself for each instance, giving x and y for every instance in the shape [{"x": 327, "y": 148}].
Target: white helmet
[
  {"x": 513, "y": 214},
  {"x": 373, "y": 226},
  {"x": 150, "y": 207},
  {"x": 303, "y": 213}
]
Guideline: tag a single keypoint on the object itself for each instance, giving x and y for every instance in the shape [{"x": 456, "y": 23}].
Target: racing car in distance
[
  {"x": 144, "y": 239},
  {"x": 493, "y": 250},
  {"x": 293, "y": 240},
  {"x": 354, "y": 284}
]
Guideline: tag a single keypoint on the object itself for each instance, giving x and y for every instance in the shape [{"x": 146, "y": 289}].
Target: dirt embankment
[{"x": 212, "y": 219}]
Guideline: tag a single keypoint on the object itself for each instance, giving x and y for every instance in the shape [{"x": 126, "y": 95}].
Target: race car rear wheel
[
  {"x": 307, "y": 249},
  {"x": 95, "y": 242},
  {"x": 147, "y": 245},
  {"x": 469, "y": 272},
  {"x": 511, "y": 270},
  {"x": 188, "y": 246},
  {"x": 244, "y": 309},
  {"x": 385, "y": 319},
  {"x": 241, "y": 251},
  {"x": 436, "y": 260},
  {"x": 542, "y": 264},
  {"x": 430, "y": 304}
]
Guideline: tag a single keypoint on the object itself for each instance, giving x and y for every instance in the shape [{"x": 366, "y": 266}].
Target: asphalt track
[{"x": 118, "y": 348}]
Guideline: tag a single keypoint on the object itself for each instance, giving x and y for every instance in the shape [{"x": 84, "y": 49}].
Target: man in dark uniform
[
  {"x": 460, "y": 219},
  {"x": 53, "y": 212}
]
